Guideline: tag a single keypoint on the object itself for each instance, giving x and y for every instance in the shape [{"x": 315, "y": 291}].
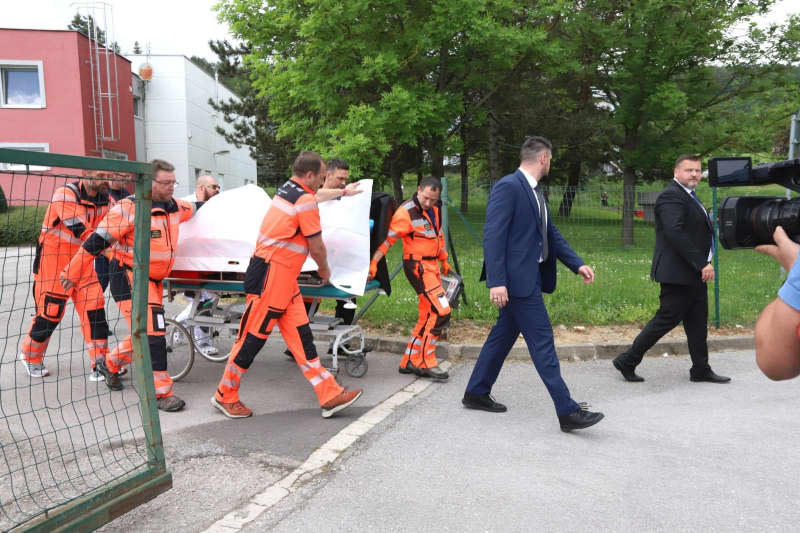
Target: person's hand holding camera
[{"x": 785, "y": 250}]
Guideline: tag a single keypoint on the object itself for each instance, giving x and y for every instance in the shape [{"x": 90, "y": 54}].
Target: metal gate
[{"x": 74, "y": 454}]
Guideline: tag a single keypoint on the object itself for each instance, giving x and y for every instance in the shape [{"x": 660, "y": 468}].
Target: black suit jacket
[{"x": 683, "y": 238}]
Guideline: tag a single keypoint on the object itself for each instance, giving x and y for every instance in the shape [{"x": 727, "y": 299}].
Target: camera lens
[
  {"x": 771, "y": 214},
  {"x": 747, "y": 221}
]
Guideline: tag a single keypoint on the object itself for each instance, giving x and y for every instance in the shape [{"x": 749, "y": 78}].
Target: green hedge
[{"x": 21, "y": 225}]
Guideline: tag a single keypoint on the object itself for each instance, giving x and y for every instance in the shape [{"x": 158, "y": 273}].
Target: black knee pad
[
  {"x": 307, "y": 338},
  {"x": 158, "y": 351},
  {"x": 441, "y": 322},
  {"x": 42, "y": 329},
  {"x": 250, "y": 348},
  {"x": 118, "y": 280},
  {"x": 98, "y": 324}
]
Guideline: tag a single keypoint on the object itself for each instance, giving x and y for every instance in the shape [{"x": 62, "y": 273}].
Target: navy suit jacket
[{"x": 512, "y": 240}]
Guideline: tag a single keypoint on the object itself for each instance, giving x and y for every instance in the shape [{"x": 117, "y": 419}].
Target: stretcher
[{"x": 222, "y": 321}]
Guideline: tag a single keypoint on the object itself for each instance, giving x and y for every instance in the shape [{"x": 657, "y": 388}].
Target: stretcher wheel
[
  {"x": 220, "y": 337},
  {"x": 356, "y": 365},
  {"x": 180, "y": 349}
]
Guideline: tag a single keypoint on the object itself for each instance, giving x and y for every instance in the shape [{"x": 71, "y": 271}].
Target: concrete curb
[{"x": 566, "y": 352}]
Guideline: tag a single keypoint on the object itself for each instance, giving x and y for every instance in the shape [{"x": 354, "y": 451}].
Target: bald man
[{"x": 205, "y": 188}]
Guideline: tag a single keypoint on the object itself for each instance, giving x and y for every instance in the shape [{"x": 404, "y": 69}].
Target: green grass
[
  {"x": 21, "y": 225},
  {"x": 622, "y": 292}
]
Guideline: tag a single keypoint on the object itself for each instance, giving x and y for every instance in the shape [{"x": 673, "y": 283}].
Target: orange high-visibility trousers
[
  {"x": 121, "y": 282},
  {"x": 434, "y": 312},
  {"x": 51, "y": 301},
  {"x": 281, "y": 304}
]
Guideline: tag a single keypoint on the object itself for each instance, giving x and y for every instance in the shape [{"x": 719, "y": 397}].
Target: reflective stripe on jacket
[{"x": 422, "y": 237}]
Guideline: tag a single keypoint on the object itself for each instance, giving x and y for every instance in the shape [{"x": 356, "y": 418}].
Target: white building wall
[{"x": 180, "y": 125}]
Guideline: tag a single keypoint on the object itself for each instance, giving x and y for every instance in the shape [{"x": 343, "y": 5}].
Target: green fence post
[
  {"x": 716, "y": 257},
  {"x": 141, "y": 348}
]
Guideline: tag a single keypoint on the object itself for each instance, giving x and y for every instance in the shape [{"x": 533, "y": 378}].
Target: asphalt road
[{"x": 671, "y": 455}]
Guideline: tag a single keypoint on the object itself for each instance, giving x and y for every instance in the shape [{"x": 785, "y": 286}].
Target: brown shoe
[
  {"x": 170, "y": 403},
  {"x": 345, "y": 399},
  {"x": 231, "y": 410}
]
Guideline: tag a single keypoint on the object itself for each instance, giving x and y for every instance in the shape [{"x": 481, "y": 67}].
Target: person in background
[
  {"x": 682, "y": 266},
  {"x": 418, "y": 222}
]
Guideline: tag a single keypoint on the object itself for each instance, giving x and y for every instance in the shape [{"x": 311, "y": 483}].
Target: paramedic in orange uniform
[
  {"x": 290, "y": 230},
  {"x": 74, "y": 212},
  {"x": 117, "y": 231},
  {"x": 419, "y": 223}
]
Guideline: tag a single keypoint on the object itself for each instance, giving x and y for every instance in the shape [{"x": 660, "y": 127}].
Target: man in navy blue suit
[{"x": 520, "y": 248}]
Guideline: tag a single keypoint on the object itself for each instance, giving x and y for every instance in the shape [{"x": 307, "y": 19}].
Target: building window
[
  {"x": 113, "y": 154},
  {"x": 21, "y": 84},
  {"x": 31, "y": 147},
  {"x": 138, "y": 109}
]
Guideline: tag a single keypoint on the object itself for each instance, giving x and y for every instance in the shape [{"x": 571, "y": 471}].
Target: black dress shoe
[
  {"x": 483, "y": 402},
  {"x": 405, "y": 370},
  {"x": 710, "y": 377},
  {"x": 582, "y": 418},
  {"x": 627, "y": 373}
]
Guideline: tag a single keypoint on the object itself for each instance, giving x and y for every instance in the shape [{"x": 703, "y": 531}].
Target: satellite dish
[{"x": 146, "y": 72}]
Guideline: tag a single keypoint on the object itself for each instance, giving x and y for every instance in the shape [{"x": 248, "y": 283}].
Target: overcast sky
[{"x": 169, "y": 26}]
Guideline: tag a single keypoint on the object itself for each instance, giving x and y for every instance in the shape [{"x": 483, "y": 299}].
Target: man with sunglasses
[{"x": 205, "y": 188}]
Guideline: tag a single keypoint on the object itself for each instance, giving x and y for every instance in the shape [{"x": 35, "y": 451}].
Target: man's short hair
[
  {"x": 686, "y": 157},
  {"x": 334, "y": 164},
  {"x": 533, "y": 146},
  {"x": 430, "y": 181},
  {"x": 160, "y": 164},
  {"x": 307, "y": 162}
]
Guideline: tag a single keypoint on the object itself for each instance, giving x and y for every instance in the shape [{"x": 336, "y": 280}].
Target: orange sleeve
[
  {"x": 442, "y": 248},
  {"x": 187, "y": 209},
  {"x": 308, "y": 215},
  {"x": 65, "y": 208},
  {"x": 399, "y": 227},
  {"x": 118, "y": 222},
  {"x": 114, "y": 227}
]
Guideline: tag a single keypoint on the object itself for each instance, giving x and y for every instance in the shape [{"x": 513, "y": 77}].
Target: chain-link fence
[
  {"x": 590, "y": 219},
  {"x": 74, "y": 453}
]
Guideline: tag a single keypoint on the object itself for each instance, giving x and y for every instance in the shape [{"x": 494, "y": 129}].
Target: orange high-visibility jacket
[
  {"x": 422, "y": 237},
  {"x": 292, "y": 218},
  {"x": 71, "y": 216},
  {"x": 116, "y": 230}
]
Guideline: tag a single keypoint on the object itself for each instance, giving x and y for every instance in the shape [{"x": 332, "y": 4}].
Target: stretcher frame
[{"x": 228, "y": 317}]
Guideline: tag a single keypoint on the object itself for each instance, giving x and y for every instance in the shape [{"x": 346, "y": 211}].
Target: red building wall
[{"x": 66, "y": 122}]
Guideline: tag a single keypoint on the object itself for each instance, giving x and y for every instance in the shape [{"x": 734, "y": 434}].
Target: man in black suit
[{"x": 682, "y": 265}]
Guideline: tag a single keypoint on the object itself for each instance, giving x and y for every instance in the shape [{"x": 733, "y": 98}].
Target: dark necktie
[
  {"x": 696, "y": 199},
  {"x": 543, "y": 214}
]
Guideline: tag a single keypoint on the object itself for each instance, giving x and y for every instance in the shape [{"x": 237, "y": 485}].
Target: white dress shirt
[
  {"x": 689, "y": 192},
  {"x": 542, "y": 212}
]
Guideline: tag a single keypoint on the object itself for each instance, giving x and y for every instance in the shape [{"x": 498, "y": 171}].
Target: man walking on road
[
  {"x": 682, "y": 265},
  {"x": 289, "y": 232},
  {"x": 521, "y": 245}
]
